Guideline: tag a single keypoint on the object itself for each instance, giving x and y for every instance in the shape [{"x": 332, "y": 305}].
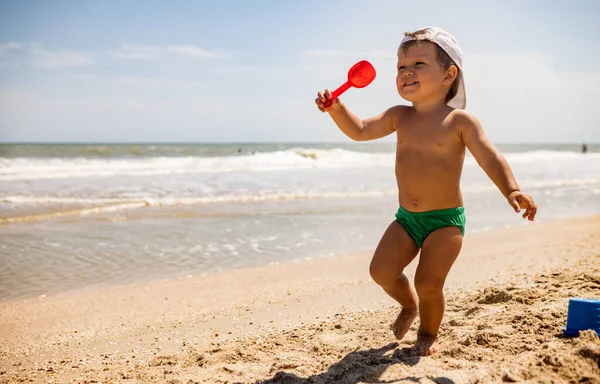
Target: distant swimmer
[{"x": 583, "y": 148}]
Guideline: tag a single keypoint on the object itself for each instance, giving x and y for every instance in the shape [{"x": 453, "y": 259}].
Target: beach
[
  {"x": 248, "y": 263},
  {"x": 322, "y": 320}
]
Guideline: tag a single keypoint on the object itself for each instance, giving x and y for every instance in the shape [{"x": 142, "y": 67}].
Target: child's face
[{"x": 420, "y": 75}]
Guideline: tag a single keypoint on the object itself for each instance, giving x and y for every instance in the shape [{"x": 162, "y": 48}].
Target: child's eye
[
  {"x": 420, "y": 63},
  {"x": 401, "y": 67}
]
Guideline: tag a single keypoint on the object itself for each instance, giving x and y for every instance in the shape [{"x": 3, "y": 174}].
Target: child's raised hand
[
  {"x": 519, "y": 200},
  {"x": 322, "y": 100}
]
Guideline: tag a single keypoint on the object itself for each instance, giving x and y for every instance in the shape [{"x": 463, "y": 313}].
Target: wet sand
[{"x": 322, "y": 321}]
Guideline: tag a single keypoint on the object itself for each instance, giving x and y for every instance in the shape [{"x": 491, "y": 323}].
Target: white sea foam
[
  {"x": 115, "y": 204},
  {"x": 543, "y": 156},
  {"x": 296, "y": 158},
  {"x": 534, "y": 184},
  {"x": 106, "y": 205},
  {"x": 261, "y": 196},
  {"x": 80, "y": 186},
  {"x": 291, "y": 159},
  {"x": 154, "y": 201}
]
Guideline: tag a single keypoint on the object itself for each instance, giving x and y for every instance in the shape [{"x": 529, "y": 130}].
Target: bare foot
[
  {"x": 425, "y": 345},
  {"x": 404, "y": 321}
]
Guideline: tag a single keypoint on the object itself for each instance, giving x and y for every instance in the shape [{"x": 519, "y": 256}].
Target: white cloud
[
  {"x": 8, "y": 46},
  {"x": 84, "y": 76},
  {"x": 523, "y": 96},
  {"x": 6, "y": 53},
  {"x": 152, "y": 82},
  {"x": 39, "y": 116},
  {"x": 58, "y": 59},
  {"x": 324, "y": 52},
  {"x": 140, "y": 52},
  {"x": 137, "y": 52},
  {"x": 366, "y": 55},
  {"x": 526, "y": 75},
  {"x": 193, "y": 51},
  {"x": 10, "y": 64}
]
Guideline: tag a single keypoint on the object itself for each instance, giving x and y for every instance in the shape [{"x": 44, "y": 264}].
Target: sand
[{"x": 322, "y": 321}]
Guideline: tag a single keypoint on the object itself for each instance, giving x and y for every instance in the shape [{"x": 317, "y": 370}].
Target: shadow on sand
[{"x": 360, "y": 366}]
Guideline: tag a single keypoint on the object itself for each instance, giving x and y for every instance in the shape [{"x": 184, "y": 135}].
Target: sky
[{"x": 249, "y": 71}]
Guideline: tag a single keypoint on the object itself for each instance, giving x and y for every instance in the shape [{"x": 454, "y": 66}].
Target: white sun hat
[{"x": 451, "y": 46}]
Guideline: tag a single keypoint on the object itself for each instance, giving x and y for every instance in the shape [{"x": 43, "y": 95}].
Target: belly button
[{"x": 415, "y": 202}]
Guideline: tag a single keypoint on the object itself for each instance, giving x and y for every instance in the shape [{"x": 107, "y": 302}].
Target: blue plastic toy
[{"x": 583, "y": 314}]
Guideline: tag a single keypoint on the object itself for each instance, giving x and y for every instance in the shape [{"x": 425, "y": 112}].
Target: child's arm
[
  {"x": 493, "y": 163},
  {"x": 353, "y": 127}
]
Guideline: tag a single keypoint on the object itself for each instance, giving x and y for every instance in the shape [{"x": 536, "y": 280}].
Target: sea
[{"x": 79, "y": 216}]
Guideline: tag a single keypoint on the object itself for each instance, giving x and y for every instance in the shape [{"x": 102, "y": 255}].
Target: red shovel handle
[{"x": 337, "y": 93}]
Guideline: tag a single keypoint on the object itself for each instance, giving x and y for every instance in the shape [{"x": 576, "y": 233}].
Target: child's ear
[{"x": 451, "y": 74}]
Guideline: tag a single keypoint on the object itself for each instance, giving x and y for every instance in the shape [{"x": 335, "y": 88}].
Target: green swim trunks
[{"x": 420, "y": 224}]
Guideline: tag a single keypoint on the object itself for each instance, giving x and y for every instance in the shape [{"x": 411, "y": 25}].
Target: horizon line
[{"x": 253, "y": 142}]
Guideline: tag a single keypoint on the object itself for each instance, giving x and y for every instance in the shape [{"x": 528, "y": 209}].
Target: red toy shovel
[{"x": 360, "y": 75}]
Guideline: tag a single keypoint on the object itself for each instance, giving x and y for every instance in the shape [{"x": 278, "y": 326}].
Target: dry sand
[{"x": 322, "y": 321}]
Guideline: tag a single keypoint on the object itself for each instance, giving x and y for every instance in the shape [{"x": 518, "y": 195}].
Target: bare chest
[{"x": 428, "y": 139}]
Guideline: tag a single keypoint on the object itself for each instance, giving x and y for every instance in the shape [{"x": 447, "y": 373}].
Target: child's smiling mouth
[{"x": 410, "y": 83}]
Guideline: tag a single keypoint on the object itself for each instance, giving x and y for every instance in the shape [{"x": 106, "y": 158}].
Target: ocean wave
[
  {"x": 296, "y": 158},
  {"x": 545, "y": 155},
  {"x": 107, "y": 205},
  {"x": 291, "y": 159},
  {"x": 259, "y": 196},
  {"x": 157, "y": 201},
  {"x": 71, "y": 212},
  {"x": 100, "y": 205},
  {"x": 532, "y": 184}
]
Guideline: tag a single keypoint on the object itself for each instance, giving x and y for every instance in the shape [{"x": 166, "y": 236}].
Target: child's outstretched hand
[
  {"x": 519, "y": 200},
  {"x": 323, "y": 98}
]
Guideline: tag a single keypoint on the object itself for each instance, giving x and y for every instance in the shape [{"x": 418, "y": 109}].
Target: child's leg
[
  {"x": 440, "y": 250},
  {"x": 395, "y": 251}
]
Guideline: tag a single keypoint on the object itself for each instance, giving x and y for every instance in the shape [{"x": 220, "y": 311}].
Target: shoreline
[
  {"x": 225, "y": 270},
  {"x": 214, "y": 311}
]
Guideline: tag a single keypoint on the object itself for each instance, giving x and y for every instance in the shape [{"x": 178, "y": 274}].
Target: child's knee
[
  {"x": 382, "y": 275},
  {"x": 428, "y": 287}
]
